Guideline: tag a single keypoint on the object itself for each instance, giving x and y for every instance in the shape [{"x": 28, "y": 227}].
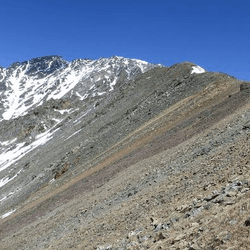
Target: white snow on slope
[
  {"x": 4, "y": 198},
  {"x": 82, "y": 97},
  {"x": 197, "y": 70},
  {"x": 79, "y": 118},
  {"x": 113, "y": 83},
  {"x": 8, "y": 196},
  {"x": 7, "y": 214},
  {"x": 73, "y": 134},
  {"x": 3, "y": 75},
  {"x": 24, "y": 91},
  {"x": 12, "y": 156},
  {"x": 5, "y": 180},
  {"x": 63, "y": 111}
]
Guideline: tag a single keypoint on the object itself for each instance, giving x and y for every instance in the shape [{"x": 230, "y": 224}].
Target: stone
[
  {"x": 184, "y": 208},
  {"x": 231, "y": 193},
  {"x": 229, "y": 203},
  {"x": 245, "y": 87},
  {"x": 247, "y": 222},
  {"x": 244, "y": 190}
]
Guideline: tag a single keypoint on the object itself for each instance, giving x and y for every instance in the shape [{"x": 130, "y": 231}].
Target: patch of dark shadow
[
  {"x": 247, "y": 222},
  {"x": 26, "y": 166},
  {"x": 178, "y": 83},
  {"x": 245, "y": 87},
  {"x": 29, "y": 101},
  {"x": 159, "y": 92},
  {"x": 97, "y": 104},
  {"x": 63, "y": 170},
  {"x": 106, "y": 127},
  {"x": 246, "y": 126},
  {"x": 158, "y": 237},
  {"x": 202, "y": 151},
  {"x": 132, "y": 193}
]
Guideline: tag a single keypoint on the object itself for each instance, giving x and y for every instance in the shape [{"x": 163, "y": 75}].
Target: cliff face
[{"x": 157, "y": 160}]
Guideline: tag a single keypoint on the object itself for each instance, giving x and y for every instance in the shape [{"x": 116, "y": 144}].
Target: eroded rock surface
[{"x": 162, "y": 162}]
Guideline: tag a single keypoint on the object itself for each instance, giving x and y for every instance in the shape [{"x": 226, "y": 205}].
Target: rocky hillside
[{"x": 118, "y": 153}]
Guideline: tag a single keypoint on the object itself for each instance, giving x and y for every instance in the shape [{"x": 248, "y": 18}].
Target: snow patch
[
  {"x": 74, "y": 134},
  {"x": 24, "y": 91},
  {"x": 101, "y": 93},
  {"x": 82, "y": 97},
  {"x": 51, "y": 181},
  {"x": 5, "y": 143},
  {"x": 112, "y": 84},
  {"x": 5, "y": 180},
  {"x": 8, "y": 214},
  {"x": 7, "y": 197},
  {"x": 79, "y": 119},
  {"x": 63, "y": 111},
  {"x": 56, "y": 120},
  {"x": 197, "y": 70},
  {"x": 4, "y": 198},
  {"x": 12, "y": 156}
]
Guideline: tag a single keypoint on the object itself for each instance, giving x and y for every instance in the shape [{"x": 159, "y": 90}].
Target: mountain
[
  {"x": 47, "y": 98},
  {"x": 31, "y": 83},
  {"x": 118, "y": 153}
]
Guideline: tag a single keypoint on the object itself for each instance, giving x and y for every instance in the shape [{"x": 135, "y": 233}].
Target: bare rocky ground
[{"x": 180, "y": 180}]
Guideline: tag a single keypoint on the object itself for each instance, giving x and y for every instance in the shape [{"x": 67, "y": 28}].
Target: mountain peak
[
  {"x": 32, "y": 82},
  {"x": 45, "y": 65}
]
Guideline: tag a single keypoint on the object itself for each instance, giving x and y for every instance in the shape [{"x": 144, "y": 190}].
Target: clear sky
[{"x": 212, "y": 34}]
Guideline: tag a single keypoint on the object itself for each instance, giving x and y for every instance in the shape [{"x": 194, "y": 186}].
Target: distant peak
[
  {"x": 45, "y": 58},
  {"x": 45, "y": 64}
]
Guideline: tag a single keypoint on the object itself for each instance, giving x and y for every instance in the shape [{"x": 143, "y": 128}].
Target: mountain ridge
[
  {"x": 71, "y": 162},
  {"x": 48, "y": 71}
]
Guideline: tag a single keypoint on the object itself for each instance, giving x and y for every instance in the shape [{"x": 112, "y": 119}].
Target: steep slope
[
  {"x": 31, "y": 115},
  {"x": 158, "y": 162}
]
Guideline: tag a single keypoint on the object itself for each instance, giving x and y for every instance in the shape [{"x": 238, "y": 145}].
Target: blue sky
[{"x": 212, "y": 34}]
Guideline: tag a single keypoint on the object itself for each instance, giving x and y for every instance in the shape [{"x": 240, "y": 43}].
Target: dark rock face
[
  {"x": 247, "y": 222},
  {"x": 45, "y": 65},
  {"x": 245, "y": 87}
]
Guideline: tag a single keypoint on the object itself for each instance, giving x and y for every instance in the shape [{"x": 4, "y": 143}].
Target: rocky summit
[{"x": 118, "y": 153}]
